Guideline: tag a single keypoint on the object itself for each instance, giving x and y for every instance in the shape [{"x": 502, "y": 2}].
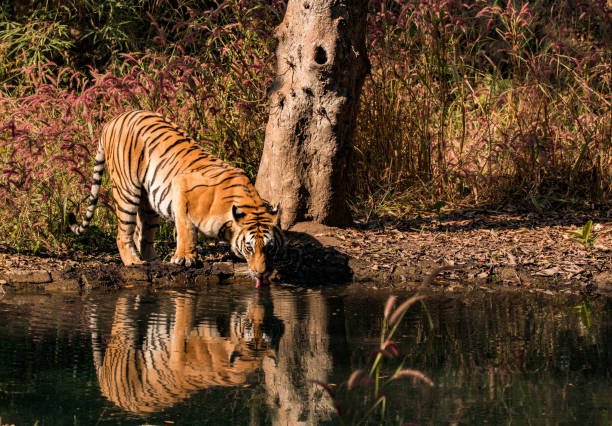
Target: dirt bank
[
  {"x": 484, "y": 248},
  {"x": 471, "y": 248}
]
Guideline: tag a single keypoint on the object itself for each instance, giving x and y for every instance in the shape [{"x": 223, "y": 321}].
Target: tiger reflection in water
[{"x": 177, "y": 358}]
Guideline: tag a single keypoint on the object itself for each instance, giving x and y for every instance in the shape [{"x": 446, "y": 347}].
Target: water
[{"x": 230, "y": 355}]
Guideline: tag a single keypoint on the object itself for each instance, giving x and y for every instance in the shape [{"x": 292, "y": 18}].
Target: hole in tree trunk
[{"x": 320, "y": 55}]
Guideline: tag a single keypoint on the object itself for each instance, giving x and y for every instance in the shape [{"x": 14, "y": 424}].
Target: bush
[
  {"x": 51, "y": 114},
  {"x": 473, "y": 102},
  {"x": 479, "y": 102}
]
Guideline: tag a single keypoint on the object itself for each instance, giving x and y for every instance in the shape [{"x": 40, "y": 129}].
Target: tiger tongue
[{"x": 261, "y": 282}]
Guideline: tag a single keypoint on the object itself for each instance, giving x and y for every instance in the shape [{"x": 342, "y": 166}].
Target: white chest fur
[{"x": 211, "y": 226}]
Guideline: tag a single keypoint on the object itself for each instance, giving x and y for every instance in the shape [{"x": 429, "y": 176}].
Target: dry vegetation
[{"x": 467, "y": 103}]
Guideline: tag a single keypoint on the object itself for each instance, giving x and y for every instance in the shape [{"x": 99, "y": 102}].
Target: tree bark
[{"x": 321, "y": 65}]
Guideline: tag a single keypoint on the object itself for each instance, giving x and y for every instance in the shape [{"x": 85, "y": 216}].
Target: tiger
[
  {"x": 145, "y": 371},
  {"x": 157, "y": 170}
]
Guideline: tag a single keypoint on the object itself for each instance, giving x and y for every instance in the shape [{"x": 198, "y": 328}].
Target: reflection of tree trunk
[
  {"x": 321, "y": 66},
  {"x": 303, "y": 355}
]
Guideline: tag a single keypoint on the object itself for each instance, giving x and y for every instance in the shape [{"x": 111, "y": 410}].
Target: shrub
[
  {"x": 485, "y": 101},
  {"x": 467, "y": 102},
  {"x": 50, "y": 117}
]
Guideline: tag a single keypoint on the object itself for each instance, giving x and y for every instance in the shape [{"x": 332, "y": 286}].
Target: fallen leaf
[{"x": 549, "y": 272}]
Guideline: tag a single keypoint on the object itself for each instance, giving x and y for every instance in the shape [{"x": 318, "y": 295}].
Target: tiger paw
[
  {"x": 134, "y": 262},
  {"x": 187, "y": 260}
]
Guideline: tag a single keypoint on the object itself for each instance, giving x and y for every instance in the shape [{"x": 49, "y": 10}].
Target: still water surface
[{"x": 232, "y": 355}]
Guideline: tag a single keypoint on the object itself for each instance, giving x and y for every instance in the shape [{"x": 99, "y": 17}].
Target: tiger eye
[{"x": 200, "y": 180}]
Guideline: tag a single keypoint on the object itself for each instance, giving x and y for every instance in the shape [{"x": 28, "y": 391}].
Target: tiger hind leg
[
  {"x": 147, "y": 224},
  {"x": 126, "y": 217}
]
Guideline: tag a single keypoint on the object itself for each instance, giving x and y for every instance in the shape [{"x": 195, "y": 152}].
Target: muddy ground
[{"x": 474, "y": 248}]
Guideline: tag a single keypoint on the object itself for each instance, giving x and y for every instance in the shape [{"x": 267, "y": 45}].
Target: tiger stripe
[
  {"x": 156, "y": 170},
  {"x": 148, "y": 369}
]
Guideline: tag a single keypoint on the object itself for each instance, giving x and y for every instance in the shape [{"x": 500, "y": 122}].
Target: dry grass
[
  {"x": 465, "y": 104},
  {"x": 485, "y": 103}
]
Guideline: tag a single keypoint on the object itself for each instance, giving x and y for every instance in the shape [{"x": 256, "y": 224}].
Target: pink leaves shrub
[
  {"x": 49, "y": 124},
  {"x": 467, "y": 102}
]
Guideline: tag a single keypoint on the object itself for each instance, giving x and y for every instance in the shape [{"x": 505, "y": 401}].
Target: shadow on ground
[
  {"x": 306, "y": 261},
  {"x": 492, "y": 219}
]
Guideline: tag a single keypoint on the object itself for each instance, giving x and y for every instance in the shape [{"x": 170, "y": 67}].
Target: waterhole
[{"x": 234, "y": 355}]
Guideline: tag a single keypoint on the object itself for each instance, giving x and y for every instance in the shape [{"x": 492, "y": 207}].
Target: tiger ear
[{"x": 237, "y": 214}]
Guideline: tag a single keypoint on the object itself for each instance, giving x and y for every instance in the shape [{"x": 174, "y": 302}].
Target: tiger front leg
[
  {"x": 185, "y": 253},
  {"x": 186, "y": 233}
]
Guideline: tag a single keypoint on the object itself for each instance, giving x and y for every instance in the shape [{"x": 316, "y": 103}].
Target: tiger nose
[
  {"x": 257, "y": 264},
  {"x": 258, "y": 270}
]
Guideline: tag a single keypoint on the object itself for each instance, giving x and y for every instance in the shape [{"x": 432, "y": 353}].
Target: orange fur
[
  {"x": 156, "y": 170},
  {"x": 173, "y": 364}
]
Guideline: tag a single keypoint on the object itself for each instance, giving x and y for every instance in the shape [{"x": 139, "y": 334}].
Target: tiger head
[{"x": 257, "y": 238}]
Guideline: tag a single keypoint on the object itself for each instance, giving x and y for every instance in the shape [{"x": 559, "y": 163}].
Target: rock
[
  {"x": 90, "y": 282},
  {"x": 164, "y": 269},
  {"x": 224, "y": 269},
  {"x": 205, "y": 268},
  {"x": 404, "y": 273},
  {"x": 201, "y": 280},
  {"x": 26, "y": 277},
  {"x": 508, "y": 275},
  {"x": 63, "y": 285},
  {"x": 603, "y": 281},
  {"x": 134, "y": 273},
  {"x": 162, "y": 282},
  {"x": 241, "y": 270},
  {"x": 549, "y": 272}
]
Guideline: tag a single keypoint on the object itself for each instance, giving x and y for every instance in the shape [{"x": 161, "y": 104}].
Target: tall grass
[
  {"x": 51, "y": 114},
  {"x": 476, "y": 102},
  {"x": 483, "y": 101},
  {"x": 365, "y": 396}
]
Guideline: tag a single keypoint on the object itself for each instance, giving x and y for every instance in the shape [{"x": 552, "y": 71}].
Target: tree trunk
[{"x": 321, "y": 66}]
